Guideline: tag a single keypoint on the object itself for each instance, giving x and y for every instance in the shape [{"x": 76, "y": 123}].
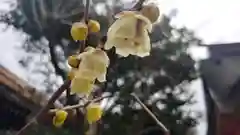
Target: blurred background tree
[{"x": 160, "y": 80}]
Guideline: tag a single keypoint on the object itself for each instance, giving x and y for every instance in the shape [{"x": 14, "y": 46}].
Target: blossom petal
[
  {"x": 122, "y": 52},
  {"x": 81, "y": 85},
  {"x": 102, "y": 78},
  {"x": 148, "y": 24},
  {"x": 123, "y": 27}
]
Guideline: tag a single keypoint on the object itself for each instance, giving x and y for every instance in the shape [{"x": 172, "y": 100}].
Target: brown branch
[
  {"x": 68, "y": 96},
  {"x": 85, "y": 19},
  {"x": 160, "y": 124},
  {"x": 54, "y": 97}
]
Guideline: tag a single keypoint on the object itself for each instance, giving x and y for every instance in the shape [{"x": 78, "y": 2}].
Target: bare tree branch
[
  {"x": 81, "y": 105},
  {"x": 46, "y": 107}
]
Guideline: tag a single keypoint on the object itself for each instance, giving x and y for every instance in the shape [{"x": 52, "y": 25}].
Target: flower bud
[
  {"x": 93, "y": 26},
  {"x": 151, "y": 11},
  {"x": 94, "y": 113},
  {"x": 59, "y": 118},
  {"x": 79, "y": 31},
  {"x": 73, "y": 61}
]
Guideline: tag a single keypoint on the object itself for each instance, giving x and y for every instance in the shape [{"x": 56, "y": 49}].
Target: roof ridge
[
  {"x": 219, "y": 44},
  {"x": 22, "y": 88}
]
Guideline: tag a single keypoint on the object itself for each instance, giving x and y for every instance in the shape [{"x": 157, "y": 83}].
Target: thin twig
[
  {"x": 138, "y": 5},
  {"x": 54, "y": 97},
  {"x": 80, "y": 105},
  {"x": 160, "y": 124},
  {"x": 85, "y": 19},
  {"x": 86, "y": 12},
  {"x": 68, "y": 94}
]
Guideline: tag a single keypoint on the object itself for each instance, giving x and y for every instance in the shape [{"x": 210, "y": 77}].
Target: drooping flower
[
  {"x": 59, "y": 118},
  {"x": 129, "y": 34},
  {"x": 94, "y": 63},
  {"x": 93, "y": 113}
]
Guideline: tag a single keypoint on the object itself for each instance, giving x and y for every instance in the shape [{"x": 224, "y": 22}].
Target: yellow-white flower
[
  {"x": 129, "y": 34},
  {"x": 94, "y": 63}
]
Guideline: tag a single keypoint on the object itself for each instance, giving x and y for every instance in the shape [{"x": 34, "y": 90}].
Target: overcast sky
[{"x": 213, "y": 21}]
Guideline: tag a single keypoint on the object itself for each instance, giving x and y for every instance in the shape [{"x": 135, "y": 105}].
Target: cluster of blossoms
[{"x": 129, "y": 34}]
